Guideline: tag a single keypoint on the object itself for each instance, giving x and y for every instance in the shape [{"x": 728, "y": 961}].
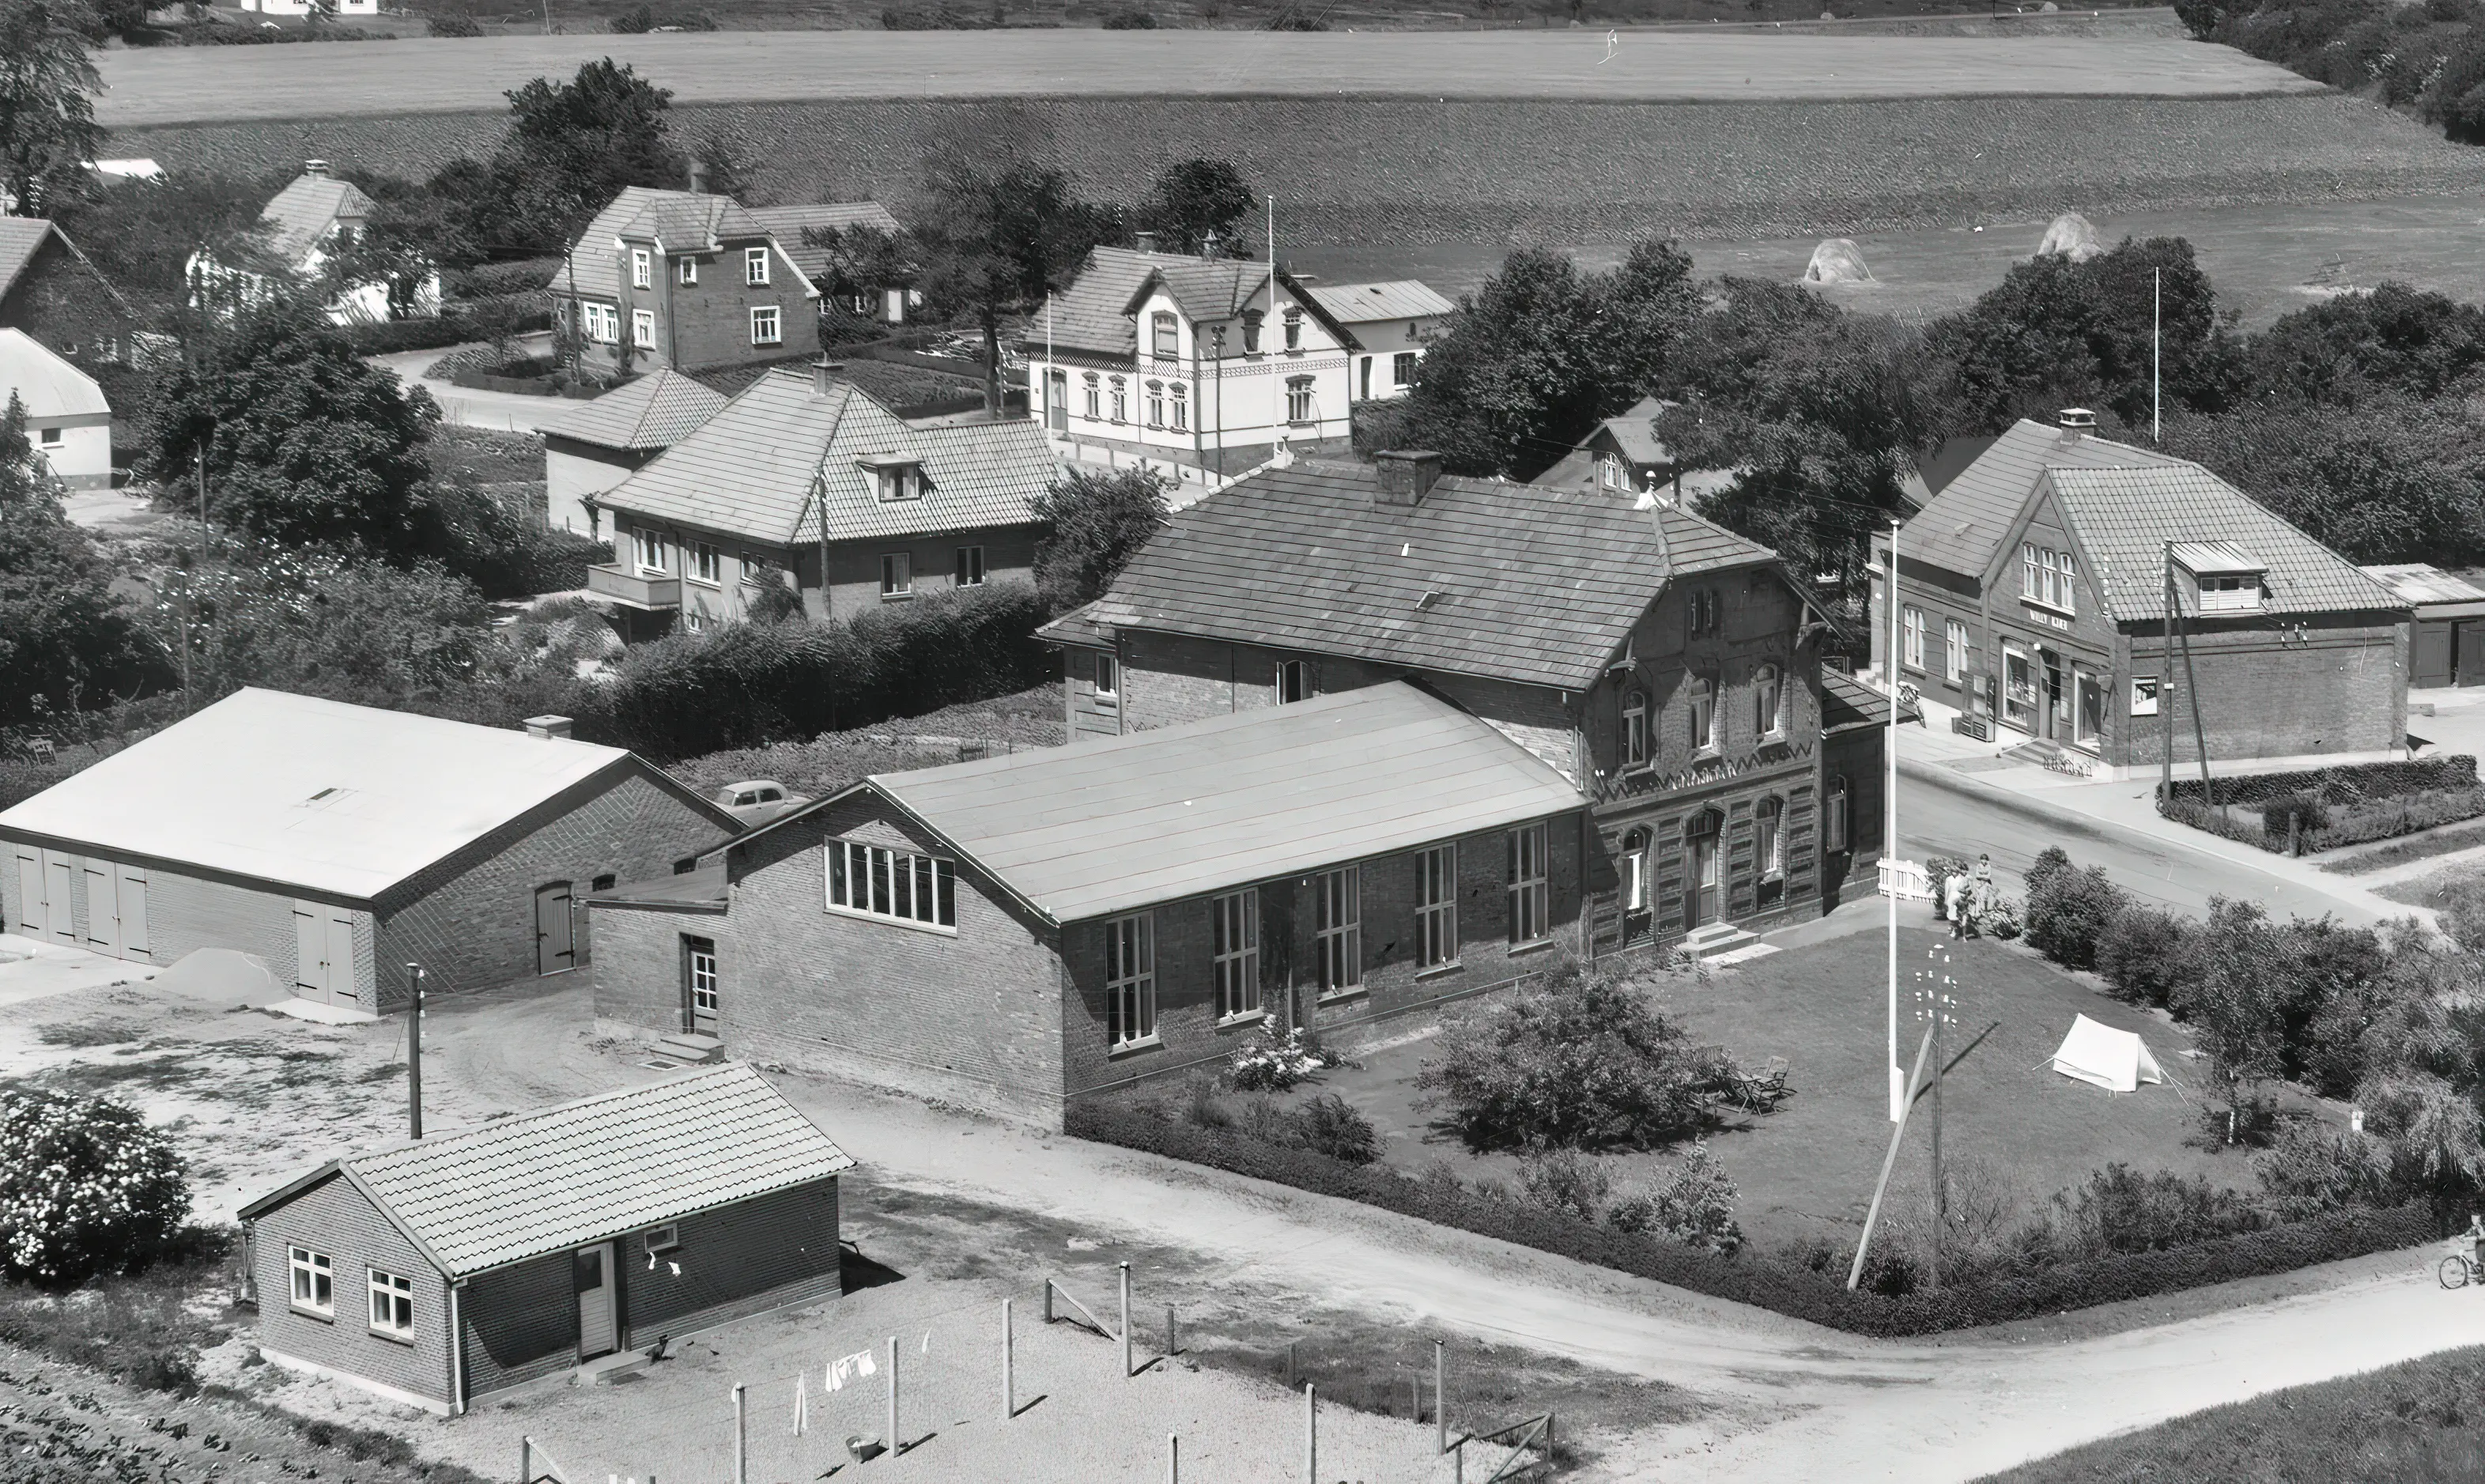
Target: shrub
[
  {"x": 1327, "y": 1125},
  {"x": 2120, "y": 1211},
  {"x": 2050, "y": 861},
  {"x": 87, "y": 1188},
  {"x": 2311, "y": 1170},
  {"x": 1566, "y": 1180},
  {"x": 1278, "y": 1060},
  {"x": 2142, "y": 954},
  {"x": 1128, "y": 17},
  {"x": 454, "y": 24},
  {"x": 387, "y": 336},
  {"x": 2068, "y": 911},
  {"x": 1695, "y": 1206},
  {"x": 2345, "y": 782}
]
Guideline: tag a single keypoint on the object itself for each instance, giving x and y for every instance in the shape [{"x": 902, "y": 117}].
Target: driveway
[{"x": 510, "y": 412}]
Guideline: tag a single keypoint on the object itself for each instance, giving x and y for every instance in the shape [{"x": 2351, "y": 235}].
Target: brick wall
[
  {"x": 735, "y": 1261},
  {"x": 471, "y": 921},
  {"x": 1532, "y": 716},
  {"x": 853, "y": 566},
  {"x": 1168, "y": 679},
  {"x": 1857, "y": 757},
  {"x": 521, "y": 1322},
  {"x": 334, "y": 1219},
  {"x": 2271, "y": 691}
]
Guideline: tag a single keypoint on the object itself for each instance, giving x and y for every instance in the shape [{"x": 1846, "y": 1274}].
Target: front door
[
  {"x": 1056, "y": 401},
  {"x": 2057, "y": 699},
  {"x": 2087, "y": 728},
  {"x": 2470, "y": 647},
  {"x": 555, "y": 950},
  {"x": 698, "y": 985},
  {"x": 2018, "y": 690},
  {"x": 1700, "y": 887},
  {"x": 598, "y": 1332}
]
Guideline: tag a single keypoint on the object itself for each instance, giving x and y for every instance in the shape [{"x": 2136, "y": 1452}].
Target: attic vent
[
  {"x": 327, "y": 798},
  {"x": 1430, "y": 601}
]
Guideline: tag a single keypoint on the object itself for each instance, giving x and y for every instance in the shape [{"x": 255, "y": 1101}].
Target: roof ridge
[{"x": 539, "y": 1115}]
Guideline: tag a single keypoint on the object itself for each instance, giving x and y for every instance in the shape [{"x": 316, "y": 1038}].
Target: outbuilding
[
  {"x": 1019, "y": 932},
  {"x": 588, "y": 451},
  {"x": 2447, "y": 643},
  {"x": 336, "y": 843},
  {"x": 67, "y": 420},
  {"x": 441, "y": 1271}
]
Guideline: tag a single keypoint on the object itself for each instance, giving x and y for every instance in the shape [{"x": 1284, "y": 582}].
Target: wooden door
[
  {"x": 2431, "y": 660},
  {"x": 698, "y": 985},
  {"x": 555, "y": 950},
  {"x": 132, "y": 898},
  {"x": 1056, "y": 401},
  {"x": 2472, "y": 652},
  {"x": 32, "y": 918},
  {"x": 102, "y": 908},
  {"x": 345, "y": 984},
  {"x": 598, "y": 1332},
  {"x": 323, "y": 955},
  {"x": 1700, "y": 894},
  {"x": 58, "y": 926}
]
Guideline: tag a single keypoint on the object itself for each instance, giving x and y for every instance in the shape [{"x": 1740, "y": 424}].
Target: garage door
[
  {"x": 323, "y": 955},
  {"x": 43, "y": 910},
  {"x": 116, "y": 909}
]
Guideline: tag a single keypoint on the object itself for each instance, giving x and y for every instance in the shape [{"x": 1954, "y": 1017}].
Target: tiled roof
[
  {"x": 1848, "y": 704},
  {"x": 1206, "y": 287},
  {"x": 786, "y": 223},
  {"x": 1961, "y": 529},
  {"x": 655, "y": 411},
  {"x": 1404, "y": 298},
  {"x": 678, "y": 219},
  {"x": 1634, "y": 432},
  {"x": 1109, "y": 826},
  {"x": 590, "y": 1170},
  {"x": 20, "y": 239},
  {"x": 2123, "y": 519},
  {"x": 783, "y": 456},
  {"x": 49, "y": 386},
  {"x": 1534, "y": 585},
  {"x": 1093, "y": 314},
  {"x": 1086, "y": 624},
  {"x": 302, "y": 213}
]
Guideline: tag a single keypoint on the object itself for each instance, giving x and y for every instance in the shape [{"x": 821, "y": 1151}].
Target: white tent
[{"x": 2112, "y": 1059}]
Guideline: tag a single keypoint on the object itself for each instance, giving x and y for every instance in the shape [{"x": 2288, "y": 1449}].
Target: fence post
[
  {"x": 1173, "y": 1458},
  {"x": 1009, "y": 1364},
  {"x": 1440, "y": 1394},
  {"x": 526, "y": 1460},
  {"x": 741, "y": 1445},
  {"x": 1125, "y": 1321},
  {"x": 893, "y": 1396},
  {"x": 1170, "y": 1350},
  {"x": 1047, "y": 1300},
  {"x": 1311, "y": 1434}
]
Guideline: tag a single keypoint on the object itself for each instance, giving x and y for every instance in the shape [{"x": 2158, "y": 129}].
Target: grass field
[
  {"x": 2420, "y": 1420},
  {"x": 215, "y": 84}
]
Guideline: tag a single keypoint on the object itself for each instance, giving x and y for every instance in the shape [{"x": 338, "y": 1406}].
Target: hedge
[
  {"x": 1767, "y": 1282},
  {"x": 2457, "y": 770},
  {"x": 386, "y": 337}
]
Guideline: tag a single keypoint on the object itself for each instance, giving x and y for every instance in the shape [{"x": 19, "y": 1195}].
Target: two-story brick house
[
  {"x": 2032, "y": 594},
  {"x": 682, "y": 279},
  {"x": 803, "y": 482},
  {"x": 54, "y": 292},
  {"x": 1021, "y": 932},
  {"x": 1667, "y": 666}
]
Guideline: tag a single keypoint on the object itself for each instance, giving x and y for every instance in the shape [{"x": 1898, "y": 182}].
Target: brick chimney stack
[
  {"x": 2076, "y": 422},
  {"x": 1146, "y": 240},
  {"x": 1407, "y": 476},
  {"x": 826, "y": 373},
  {"x": 548, "y": 729},
  {"x": 314, "y": 167}
]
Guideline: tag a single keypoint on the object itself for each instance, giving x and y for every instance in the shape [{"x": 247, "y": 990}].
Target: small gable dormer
[
  {"x": 894, "y": 477},
  {"x": 2219, "y": 576}
]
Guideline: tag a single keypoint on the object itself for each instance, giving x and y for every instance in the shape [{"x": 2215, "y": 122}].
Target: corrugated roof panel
[
  {"x": 2419, "y": 582},
  {"x": 2215, "y": 558},
  {"x": 1404, "y": 298}
]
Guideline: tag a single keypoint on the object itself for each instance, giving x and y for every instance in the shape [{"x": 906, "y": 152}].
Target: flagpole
[{"x": 1890, "y": 831}]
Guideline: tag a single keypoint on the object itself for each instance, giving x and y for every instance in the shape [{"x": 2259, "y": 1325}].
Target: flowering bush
[
  {"x": 87, "y": 1185},
  {"x": 1279, "y": 1059},
  {"x": 1695, "y": 1206}
]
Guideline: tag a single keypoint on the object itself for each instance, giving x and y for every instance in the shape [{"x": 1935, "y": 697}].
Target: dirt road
[{"x": 1790, "y": 1399}]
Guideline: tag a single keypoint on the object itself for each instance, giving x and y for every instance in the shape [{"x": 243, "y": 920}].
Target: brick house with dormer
[{"x": 685, "y": 280}]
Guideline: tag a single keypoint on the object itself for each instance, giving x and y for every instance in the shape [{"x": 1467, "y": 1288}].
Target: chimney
[
  {"x": 2075, "y": 423},
  {"x": 548, "y": 729},
  {"x": 1147, "y": 240},
  {"x": 698, "y": 177},
  {"x": 314, "y": 167},
  {"x": 1211, "y": 244},
  {"x": 1407, "y": 477},
  {"x": 826, "y": 373}
]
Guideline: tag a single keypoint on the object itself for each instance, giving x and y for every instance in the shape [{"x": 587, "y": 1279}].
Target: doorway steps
[
  {"x": 693, "y": 1047},
  {"x": 2042, "y": 753},
  {"x": 605, "y": 1370},
  {"x": 1707, "y": 943}
]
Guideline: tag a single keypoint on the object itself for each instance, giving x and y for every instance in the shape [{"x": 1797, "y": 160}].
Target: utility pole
[
  {"x": 2166, "y": 685},
  {"x": 1937, "y": 1002},
  {"x": 1890, "y": 825},
  {"x": 414, "y": 1054},
  {"x": 2156, "y": 342}
]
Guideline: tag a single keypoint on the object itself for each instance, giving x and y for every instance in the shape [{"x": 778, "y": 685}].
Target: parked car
[{"x": 758, "y": 800}]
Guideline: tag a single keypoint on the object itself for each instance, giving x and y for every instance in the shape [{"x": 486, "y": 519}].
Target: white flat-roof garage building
[{"x": 338, "y": 843}]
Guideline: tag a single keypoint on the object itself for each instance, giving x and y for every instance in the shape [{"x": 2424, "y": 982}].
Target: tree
[
  {"x": 858, "y": 261},
  {"x": 47, "y": 128},
  {"x": 1514, "y": 383},
  {"x": 2384, "y": 481},
  {"x": 1093, "y": 524},
  {"x": 1644, "y": 310},
  {"x": 141, "y": 234},
  {"x": 66, "y": 641},
  {"x": 571, "y": 147},
  {"x": 2390, "y": 341},
  {"x": 88, "y": 1187},
  {"x": 1196, "y": 199},
  {"x": 2236, "y": 1005}
]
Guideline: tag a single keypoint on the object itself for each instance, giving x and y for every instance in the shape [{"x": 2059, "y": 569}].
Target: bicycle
[{"x": 2459, "y": 1270}]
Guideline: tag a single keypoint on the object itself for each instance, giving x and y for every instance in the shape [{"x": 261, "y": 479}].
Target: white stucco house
[
  {"x": 67, "y": 420},
  {"x": 301, "y": 235},
  {"x": 1392, "y": 322},
  {"x": 306, "y": 7}
]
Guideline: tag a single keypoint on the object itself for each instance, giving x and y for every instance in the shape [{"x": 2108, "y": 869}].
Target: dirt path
[{"x": 1786, "y": 1397}]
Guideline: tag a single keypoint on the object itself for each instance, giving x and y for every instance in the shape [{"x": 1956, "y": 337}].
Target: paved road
[{"x": 510, "y": 412}]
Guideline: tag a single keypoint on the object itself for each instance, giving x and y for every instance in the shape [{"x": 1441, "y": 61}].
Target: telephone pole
[{"x": 414, "y": 1055}]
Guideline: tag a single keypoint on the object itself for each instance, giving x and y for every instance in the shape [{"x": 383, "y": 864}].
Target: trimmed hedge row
[
  {"x": 387, "y": 336},
  {"x": 2457, "y": 770},
  {"x": 1767, "y": 1282}
]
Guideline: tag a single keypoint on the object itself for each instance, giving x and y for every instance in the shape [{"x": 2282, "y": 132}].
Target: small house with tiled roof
[
  {"x": 1669, "y": 666},
  {"x": 682, "y": 279},
  {"x": 50, "y": 289},
  {"x": 595, "y": 446},
  {"x": 306, "y": 239},
  {"x": 1021, "y": 932},
  {"x": 439, "y": 1272},
  {"x": 2034, "y": 605},
  {"x": 804, "y": 483},
  {"x": 1393, "y": 321}
]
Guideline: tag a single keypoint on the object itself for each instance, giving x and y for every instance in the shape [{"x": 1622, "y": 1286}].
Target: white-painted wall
[{"x": 82, "y": 456}]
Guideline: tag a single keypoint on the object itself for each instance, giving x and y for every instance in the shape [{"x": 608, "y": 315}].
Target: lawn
[
  {"x": 2416, "y": 1420},
  {"x": 2440, "y": 889},
  {"x": 1806, "y": 1170}
]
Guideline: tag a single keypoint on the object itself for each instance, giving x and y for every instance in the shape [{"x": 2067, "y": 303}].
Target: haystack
[
  {"x": 2071, "y": 235},
  {"x": 1837, "y": 260}
]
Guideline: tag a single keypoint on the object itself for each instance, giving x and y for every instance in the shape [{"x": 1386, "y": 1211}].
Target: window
[
  {"x": 897, "y": 575},
  {"x": 49, "y": 437},
  {"x": 2030, "y": 580},
  {"x": 877, "y": 882},
  {"x": 754, "y": 266},
  {"x": 392, "y": 1304},
  {"x": 706, "y": 563},
  {"x": 315, "y": 1280},
  {"x": 1235, "y": 952},
  {"x": 698, "y": 962},
  {"x": 897, "y": 481},
  {"x": 695, "y": 619},
  {"x": 1702, "y": 695},
  {"x": 1131, "y": 979},
  {"x": 1293, "y": 329},
  {"x": 1635, "y": 729},
  {"x": 1635, "y": 870},
  {"x": 1093, "y": 397},
  {"x": 1252, "y": 332},
  {"x": 1121, "y": 408},
  {"x": 1913, "y": 620},
  {"x": 1156, "y": 404},
  {"x": 1772, "y": 853},
  {"x": 1768, "y": 702},
  {"x": 969, "y": 572},
  {"x": 1167, "y": 338},
  {"x": 660, "y": 1239},
  {"x": 765, "y": 329},
  {"x": 1954, "y": 650},
  {"x": 1531, "y": 890},
  {"x": 1294, "y": 682},
  {"x": 600, "y": 323},
  {"x": 650, "y": 546},
  {"x": 1609, "y": 472},
  {"x": 2228, "y": 593},
  {"x": 642, "y": 268},
  {"x": 1832, "y": 815},
  {"x": 2046, "y": 576},
  {"x": 1107, "y": 678},
  {"x": 1337, "y": 932},
  {"x": 686, "y": 272},
  {"x": 1436, "y": 907},
  {"x": 642, "y": 328},
  {"x": 1298, "y": 399},
  {"x": 1700, "y": 611},
  {"x": 2143, "y": 695},
  {"x": 1181, "y": 406},
  {"x": 1402, "y": 369}
]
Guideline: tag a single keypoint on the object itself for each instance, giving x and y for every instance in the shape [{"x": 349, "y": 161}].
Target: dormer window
[
  {"x": 893, "y": 478},
  {"x": 642, "y": 268},
  {"x": 2227, "y": 578},
  {"x": 1294, "y": 329},
  {"x": 1167, "y": 335}
]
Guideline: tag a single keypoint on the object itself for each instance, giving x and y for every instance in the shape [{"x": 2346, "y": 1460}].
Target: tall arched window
[
  {"x": 1768, "y": 702},
  {"x": 1772, "y": 853},
  {"x": 1635, "y": 747},
  {"x": 1701, "y": 693},
  {"x": 1634, "y": 864}
]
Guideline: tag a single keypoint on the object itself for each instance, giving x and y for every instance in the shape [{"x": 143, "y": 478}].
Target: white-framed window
[
  {"x": 1298, "y": 399},
  {"x": 1531, "y": 888},
  {"x": 1402, "y": 369},
  {"x": 1609, "y": 472},
  {"x": 642, "y": 328},
  {"x": 49, "y": 437},
  {"x": 969, "y": 570},
  {"x": 1635, "y": 737},
  {"x": 1121, "y": 401},
  {"x": 1913, "y": 621},
  {"x": 600, "y": 323},
  {"x": 1337, "y": 929},
  {"x": 767, "y": 326},
  {"x": 686, "y": 272},
  {"x": 392, "y": 1304},
  {"x": 2031, "y": 583},
  {"x": 1768, "y": 702},
  {"x": 2225, "y": 594},
  {"x": 1436, "y": 907},
  {"x": 1095, "y": 396},
  {"x": 315, "y": 1280},
  {"x": 649, "y": 545},
  {"x": 1772, "y": 852},
  {"x": 1702, "y": 694},
  {"x": 1178, "y": 406},
  {"x": 642, "y": 268},
  {"x": 897, "y": 575},
  {"x": 1954, "y": 650},
  {"x": 754, "y": 266},
  {"x": 1166, "y": 338},
  {"x": 895, "y": 886},
  {"x": 1131, "y": 979},
  {"x": 1295, "y": 328},
  {"x": 1109, "y": 679},
  {"x": 706, "y": 564},
  {"x": 1833, "y": 814},
  {"x": 1156, "y": 404},
  {"x": 698, "y": 964},
  {"x": 660, "y": 1239},
  {"x": 1294, "y": 682},
  {"x": 2143, "y": 695},
  {"x": 1235, "y": 951},
  {"x": 2047, "y": 576},
  {"x": 898, "y": 481},
  {"x": 693, "y": 619}
]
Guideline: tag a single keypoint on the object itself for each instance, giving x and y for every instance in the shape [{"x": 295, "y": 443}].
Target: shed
[
  {"x": 336, "y": 843},
  {"x": 67, "y": 420},
  {"x": 441, "y": 1271},
  {"x": 2448, "y": 647}
]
